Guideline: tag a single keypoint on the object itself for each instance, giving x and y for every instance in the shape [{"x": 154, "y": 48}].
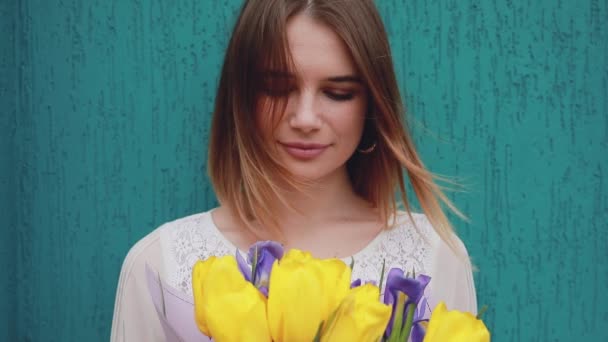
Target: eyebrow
[
  {"x": 346, "y": 78},
  {"x": 333, "y": 79},
  {"x": 278, "y": 74}
]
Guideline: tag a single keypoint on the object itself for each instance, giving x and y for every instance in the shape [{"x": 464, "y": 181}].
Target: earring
[{"x": 367, "y": 150}]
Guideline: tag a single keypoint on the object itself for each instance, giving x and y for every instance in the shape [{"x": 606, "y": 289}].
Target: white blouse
[{"x": 173, "y": 248}]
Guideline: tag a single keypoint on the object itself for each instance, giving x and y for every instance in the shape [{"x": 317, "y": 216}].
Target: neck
[
  {"x": 329, "y": 218},
  {"x": 327, "y": 200}
]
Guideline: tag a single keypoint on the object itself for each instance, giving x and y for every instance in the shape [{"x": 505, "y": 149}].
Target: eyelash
[
  {"x": 339, "y": 96},
  {"x": 336, "y": 96}
]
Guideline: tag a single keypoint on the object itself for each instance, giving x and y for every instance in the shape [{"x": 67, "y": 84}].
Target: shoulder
[
  {"x": 174, "y": 247},
  {"x": 134, "y": 314},
  {"x": 415, "y": 227},
  {"x": 447, "y": 263},
  {"x": 405, "y": 220},
  {"x": 151, "y": 242},
  {"x": 144, "y": 250},
  {"x": 420, "y": 226},
  {"x": 408, "y": 243},
  {"x": 135, "y": 317},
  {"x": 149, "y": 249},
  {"x": 197, "y": 221}
]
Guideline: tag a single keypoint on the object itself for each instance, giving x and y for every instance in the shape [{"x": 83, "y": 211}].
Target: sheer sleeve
[
  {"x": 135, "y": 317},
  {"x": 452, "y": 278}
]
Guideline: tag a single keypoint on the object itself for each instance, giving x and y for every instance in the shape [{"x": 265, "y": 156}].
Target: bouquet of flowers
[{"x": 292, "y": 296}]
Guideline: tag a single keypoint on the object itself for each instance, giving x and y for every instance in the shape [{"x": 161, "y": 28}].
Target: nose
[{"x": 303, "y": 112}]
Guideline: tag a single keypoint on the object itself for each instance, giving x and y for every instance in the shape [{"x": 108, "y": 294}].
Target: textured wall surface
[
  {"x": 8, "y": 189},
  {"x": 105, "y": 119}
]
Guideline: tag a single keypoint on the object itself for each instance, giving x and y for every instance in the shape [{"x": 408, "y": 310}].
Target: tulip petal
[
  {"x": 315, "y": 287},
  {"x": 199, "y": 275},
  {"x": 336, "y": 281},
  {"x": 455, "y": 326},
  {"x": 360, "y": 316},
  {"x": 231, "y": 308},
  {"x": 294, "y": 285}
]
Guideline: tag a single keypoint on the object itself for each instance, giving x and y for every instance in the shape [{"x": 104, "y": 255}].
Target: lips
[{"x": 303, "y": 151}]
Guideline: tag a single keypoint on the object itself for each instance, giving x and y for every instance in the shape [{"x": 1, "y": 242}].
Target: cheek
[{"x": 353, "y": 121}]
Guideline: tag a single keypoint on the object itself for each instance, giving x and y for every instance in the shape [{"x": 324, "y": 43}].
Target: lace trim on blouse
[{"x": 195, "y": 237}]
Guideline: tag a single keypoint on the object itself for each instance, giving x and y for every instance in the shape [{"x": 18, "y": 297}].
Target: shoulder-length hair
[{"x": 248, "y": 179}]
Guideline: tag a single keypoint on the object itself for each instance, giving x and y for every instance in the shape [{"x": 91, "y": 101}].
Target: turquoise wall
[
  {"x": 8, "y": 188},
  {"x": 105, "y": 119}
]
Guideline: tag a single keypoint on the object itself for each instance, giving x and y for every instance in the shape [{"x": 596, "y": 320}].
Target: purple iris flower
[
  {"x": 358, "y": 282},
  {"x": 397, "y": 282},
  {"x": 418, "y": 331},
  {"x": 260, "y": 258}
]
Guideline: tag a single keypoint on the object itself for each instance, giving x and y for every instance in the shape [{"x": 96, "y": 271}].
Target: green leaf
[
  {"x": 482, "y": 311},
  {"x": 318, "y": 334},
  {"x": 332, "y": 318},
  {"x": 255, "y": 264},
  {"x": 398, "y": 318},
  {"x": 382, "y": 275},
  {"x": 162, "y": 295}
]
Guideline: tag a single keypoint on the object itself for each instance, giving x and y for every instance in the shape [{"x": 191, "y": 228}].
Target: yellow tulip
[
  {"x": 303, "y": 292},
  {"x": 360, "y": 317},
  {"x": 199, "y": 274},
  {"x": 455, "y": 326},
  {"x": 227, "y": 307}
]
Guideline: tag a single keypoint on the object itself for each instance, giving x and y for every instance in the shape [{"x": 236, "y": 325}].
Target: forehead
[{"x": 316, "y": 50}]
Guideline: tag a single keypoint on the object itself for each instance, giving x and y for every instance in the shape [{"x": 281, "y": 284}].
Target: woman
[{"x": 308, "y": 147}]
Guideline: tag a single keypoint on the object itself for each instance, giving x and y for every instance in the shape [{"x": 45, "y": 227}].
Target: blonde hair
[{"x": 248, "y": 178}]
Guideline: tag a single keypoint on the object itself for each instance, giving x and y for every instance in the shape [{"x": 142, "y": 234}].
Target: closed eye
[{"x": 340, "y": 96}]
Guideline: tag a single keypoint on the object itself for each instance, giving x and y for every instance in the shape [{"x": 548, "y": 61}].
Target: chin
[{"x": 313, "y": 172}]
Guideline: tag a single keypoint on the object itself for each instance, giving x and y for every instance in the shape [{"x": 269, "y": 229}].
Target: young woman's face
[{"x": 326, "y": 103}]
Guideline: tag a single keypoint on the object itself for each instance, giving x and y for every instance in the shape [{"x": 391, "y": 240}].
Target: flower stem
[{"x": 407, "y": 328}]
